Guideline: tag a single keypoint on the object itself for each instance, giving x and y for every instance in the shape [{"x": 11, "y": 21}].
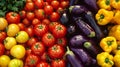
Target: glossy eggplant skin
[
  {"x": 77, "y": 9},
  {"x": 92, "y": 48},
  {"x": 71, "y": 31},
  {"x": 64, "y": 18},
  {"x": 72, "y": 2},
  {"x": 72, "y": 59},
  {"x": 91, "y": 21},
  {"x": 86, "y": 59},
  {"x": 77, "y": 41},
  {"x": 85, "y": 27},
  {"x": 91, "y": 5}
]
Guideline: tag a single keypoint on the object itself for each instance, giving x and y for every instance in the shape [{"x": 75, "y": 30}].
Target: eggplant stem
[
  {"x": 87, "y": 44},
  {"x": 92, "y": 34},
  {"x": 69, "y": 51}
]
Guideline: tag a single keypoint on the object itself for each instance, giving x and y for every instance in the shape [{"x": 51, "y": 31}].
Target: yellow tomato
[
  {"x": 3, "y": 23},
  {"x": 4, "y": 60},
  {"x": 17, "y": 51},
  {"x": 12, "y": 29},
  {"x": 22, "y": 37},
  {"x": 9, "y": 42},
  {"x": 16, "y": 63}
]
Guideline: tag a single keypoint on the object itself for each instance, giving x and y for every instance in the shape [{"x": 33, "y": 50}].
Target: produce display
[{"x": 59, "y": 33}]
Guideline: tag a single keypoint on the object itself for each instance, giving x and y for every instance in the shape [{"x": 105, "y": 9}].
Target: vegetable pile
[
  {"x": 83, "y": 33},
  {"x": 59, "y": 33},
  {"x": 108, "y": 16},
  {"x": 31, "y": 33}
]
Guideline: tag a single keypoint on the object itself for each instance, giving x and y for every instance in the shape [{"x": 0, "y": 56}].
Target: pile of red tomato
[{"x": 34, "y": 37}]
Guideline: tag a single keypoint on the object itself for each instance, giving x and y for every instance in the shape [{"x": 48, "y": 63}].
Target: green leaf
[
  {"x": 2, "y": 14},
  {"x": 15, "y": 9},
  {"x": 9, "y": 6},
  {"x": 4, "y": 8}
]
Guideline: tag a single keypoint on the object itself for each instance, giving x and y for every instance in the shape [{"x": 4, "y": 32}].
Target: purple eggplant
[
  {"x": 71, "y": 30},
  {"x": 75, "y": 2},
  {"x": 77, "y": 9},
  {"x": 72, "y": 59},
  {"x": 64, "y": 18},
  {"x": 91, "y": 5},
  {"x": 68, "y": 64},
  {"x": 86, "y": 59},
  {"x": 78, "y": 41},
  {"x": 89, "y": 17},
  {"x": 72, "y": 2},
  {"x": 85, "y": 27},
  {"x": 92, "y": 48}
]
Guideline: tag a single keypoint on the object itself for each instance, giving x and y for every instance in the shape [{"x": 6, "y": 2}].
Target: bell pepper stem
[
  {"x": 107, "y": 2},
  {"x": 108, "y": 61}
]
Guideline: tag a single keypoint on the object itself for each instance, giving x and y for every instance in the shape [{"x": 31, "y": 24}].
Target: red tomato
[
  {"x": 26, "y": 22},
  {"x": 59, "y": 31},
  {"x": 35, "y": 21},
  {"x": 62, "y": 41},
  {"x": 32, "y": 60},
  {"x": 13, "y": 17},
  {"x": 56, "y": 51},
  {"x": 49, "y": 1},
  {"x": 27, "y": 1},
  {"x": 48, "y": 39},
  {"x": 43, "y": 64},
  {"x": 40, "y": 29},
  {"x": 28, "y": 51},
  {"x": 38, "y": 48},
  {"x": 60, "y": 10},
  {"x": 3, "y": 35},
  {"x": 30, "y": 32},
  {"x": 26, "y": 66},
  {"x": 48, "y": 9},
  {"x": 39, "y": 4},
  {"x": 2, "y": 49},
  {"x": 58, "y": 63},
  {"x": 45, "y": 57},
  {"x": 46, "y": 21},
  {"x": 46, "y": 3},
  {"x": 40, "y": 14},
  {"x": 31, "y": 41},
  {"x": 54, "y": 16},
  {"x": 64, "y": 4},
  {"x": 30, "y": 15},
  {"x": 21, "y": 26},
  {"x": 22, "y": 14},
  {"x": 55, "y": 4},
  {"x": 52, "y": 25},
  {"x": 29, "y": 6}
]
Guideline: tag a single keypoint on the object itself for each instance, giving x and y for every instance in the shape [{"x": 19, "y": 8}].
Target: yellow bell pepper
[
  {"x": 103, "y": 16},
  {"x": 115, "y": 32},
  {"x": 115, "y": 4},
  {"x": 116, "y": 59},
  {"x": 104, "y": 4},
  {"x": 117, "y": 49},
  {"x": 118, "y": 52},
  {"x": 108, "y": 44},
  {"x": 104, "y": 59},
  {"x": 116, "y": 17}
]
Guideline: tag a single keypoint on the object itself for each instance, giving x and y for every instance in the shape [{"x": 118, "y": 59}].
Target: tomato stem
[
  {"x": 59, "y": 41},
  {"x": 40, "y": 27},
  {"x": 49, "y": 36},
  {"x": 36, "y": 46},
  {"x": 14, "y": 14},
  {"x": 32, "y": 61},
  {"x": 59, "y": 28}
]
